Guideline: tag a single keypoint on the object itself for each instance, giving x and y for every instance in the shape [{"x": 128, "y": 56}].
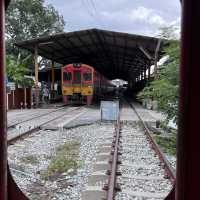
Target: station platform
[
  {"x": 148, "y": 115},
  {"x": 92, "y": 115},
  {"x": 18, "y": 115}
]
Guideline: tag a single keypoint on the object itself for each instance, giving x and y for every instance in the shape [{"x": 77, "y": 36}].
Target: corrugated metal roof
[{"x": 115, "y": 54}]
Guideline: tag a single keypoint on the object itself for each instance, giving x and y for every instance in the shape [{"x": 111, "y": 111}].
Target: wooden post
[
  {"x": 3, "y": 117},
  {"x": 52, "y": 79},
  {"x": 7, "y": 99},
  {"x": 49, "y": 78},
  {"x": 25, "y": 103},
  {"x": 145, "y": 71},
  {"x": 13, "y": 98},
  {"x": 31, "y": 98},
  {"x": 36, "y": 77},
  {"x": 52, "y": 75},
  {"x": 149, "y": 73}
]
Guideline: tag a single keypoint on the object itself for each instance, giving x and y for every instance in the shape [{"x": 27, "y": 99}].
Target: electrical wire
[
  {"x": 96, "y": 11},
  {"x": 90, "y": 6}
]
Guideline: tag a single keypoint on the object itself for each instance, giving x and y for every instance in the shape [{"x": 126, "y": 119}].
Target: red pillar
[
  {"x": 188, "y": 163},
  {"x": 65, "y": 99},
  {"x": 8, "y": 188},
  {"x": 89, "y": 100},
  {"x": 3, "y": 120}
]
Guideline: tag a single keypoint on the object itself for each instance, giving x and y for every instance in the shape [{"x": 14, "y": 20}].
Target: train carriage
[{"x": 81, "y": 83}]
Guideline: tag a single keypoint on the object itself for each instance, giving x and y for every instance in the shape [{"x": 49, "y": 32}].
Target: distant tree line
[
  {"x": 165, "y": 89},
  {"x": 27, "y": 19}
]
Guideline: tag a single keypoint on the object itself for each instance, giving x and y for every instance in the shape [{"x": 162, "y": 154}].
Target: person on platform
[{"x": 46, "y": 94}]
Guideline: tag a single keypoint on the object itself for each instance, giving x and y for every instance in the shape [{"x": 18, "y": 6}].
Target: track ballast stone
[
  {"x": 142, "y": 176},
  {"x": 43, "y": 146}
]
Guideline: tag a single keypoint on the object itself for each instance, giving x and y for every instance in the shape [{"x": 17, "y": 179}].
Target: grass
[
  {"x": 167, "y": 144},
  {"x": 66, "y": 158},
  {"x": 140, "y": 124},
  {"x": 30, "y": 159}
]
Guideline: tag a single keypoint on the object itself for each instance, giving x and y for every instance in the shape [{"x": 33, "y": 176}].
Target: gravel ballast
[
  {"x": 31, "y": 156},
  {"x": 142, "y": 176}
]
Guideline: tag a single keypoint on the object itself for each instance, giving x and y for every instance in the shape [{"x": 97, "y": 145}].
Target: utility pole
[{"x": 36, "y": 76}]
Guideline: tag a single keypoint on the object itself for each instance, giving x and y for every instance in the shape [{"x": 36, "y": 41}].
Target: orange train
[{"x": 81, "y": 83}]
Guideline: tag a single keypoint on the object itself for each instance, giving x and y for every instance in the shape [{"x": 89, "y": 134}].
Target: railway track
[
  {"x": 33, "y": 116},
  {"x": 34, "y": 124},
  {"x": 137, "y": 169}
]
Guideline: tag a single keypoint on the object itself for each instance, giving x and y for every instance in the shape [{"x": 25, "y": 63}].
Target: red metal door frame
[
  {"x": 188, "y": 164},
  {"x": 8, "y": 188},
  {"x": 3, "y": 120}
]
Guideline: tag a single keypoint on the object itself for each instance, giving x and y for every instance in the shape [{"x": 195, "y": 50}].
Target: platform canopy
[{"x": 114, "y": 54}]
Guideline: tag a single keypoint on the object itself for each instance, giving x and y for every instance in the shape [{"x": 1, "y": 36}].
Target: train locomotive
[{"x": 81, "y": 83}]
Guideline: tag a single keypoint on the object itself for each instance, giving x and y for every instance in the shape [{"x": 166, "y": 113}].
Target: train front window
[
  {"x": 67, "y": 76},
  {"x": 77, "y": 76},
  {"x": 87, "y": 76}
]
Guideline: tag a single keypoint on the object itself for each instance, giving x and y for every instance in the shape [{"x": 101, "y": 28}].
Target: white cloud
[
  {"x": 146, "y": 15},
  {"x": 143, "y": 17},
  {"x": 176, "y": 22}
]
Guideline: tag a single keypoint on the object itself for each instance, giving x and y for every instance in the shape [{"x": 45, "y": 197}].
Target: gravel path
[{"x": 42, "y": 147}]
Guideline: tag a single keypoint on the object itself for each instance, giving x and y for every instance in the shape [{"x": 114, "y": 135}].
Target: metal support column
[
  {"x": 188, "y": 163},
  {"x": 3, "y": 120},
  {"x": 145, "y": 79},
  {"x": 13, "y": 98},
  {"x": 149, "y": 73},
  {"x": 156, "y": 59},
  {"x": 36, "y": 76},
  {"x": 145, "y": 73},
  {"x": 25, "y": 99},
  {"x": 52, "y": 79}
]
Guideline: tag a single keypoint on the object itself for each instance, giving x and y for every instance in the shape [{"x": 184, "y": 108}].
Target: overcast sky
[{"x": 132, "y": 16}]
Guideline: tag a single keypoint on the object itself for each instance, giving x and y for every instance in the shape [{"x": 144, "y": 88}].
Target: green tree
[
  {"x": 165, "y": 88},
  {"x": 26, "y": 19},
  {"x": 17, "y": 69}
]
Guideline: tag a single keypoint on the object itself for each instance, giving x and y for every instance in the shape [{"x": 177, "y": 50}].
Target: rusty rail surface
[
  {"x": 170, "y": 172},
  {"x": 111, "y": 187},
  {"x": 165, "y": 163}
]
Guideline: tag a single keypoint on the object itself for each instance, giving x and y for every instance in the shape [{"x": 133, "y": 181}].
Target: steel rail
[
  {"x": 113, "y": 174},
  {"x": 165, "y": 164},
  {"x": 27, "y": 133},
  {"x": 112, "y": 185},
  {"x": 13, "y": 125}
]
